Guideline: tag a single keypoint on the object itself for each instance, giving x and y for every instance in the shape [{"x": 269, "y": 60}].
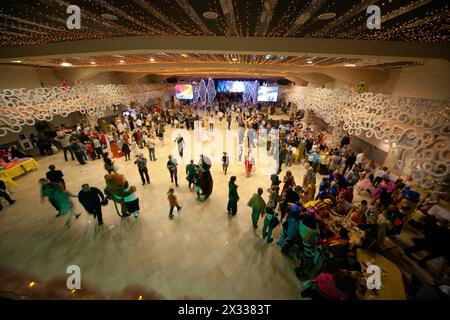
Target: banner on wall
[{"x": 24, "y": 142}]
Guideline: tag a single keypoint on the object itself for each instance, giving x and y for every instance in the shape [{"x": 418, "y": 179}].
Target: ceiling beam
[{"x": 410, "y": 51}]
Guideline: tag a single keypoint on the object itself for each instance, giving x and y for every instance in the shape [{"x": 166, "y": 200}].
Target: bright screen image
[
  {"x": 184, "y": 91},
  {"x": 267, "y": 94},
  {"x": 230, "y": 86}
]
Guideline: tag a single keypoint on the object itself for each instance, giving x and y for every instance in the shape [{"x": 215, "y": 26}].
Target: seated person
[
  {"x": 342, "y": 206},
  {"x": 5, "y": 155},
  {"x": 358, "y": 212},
  {"x": 16, "y": 153},
  {"x": 327, "y": 286},
  {"x": 385, "y": 227},
  {"x": 380, "y": 175}
]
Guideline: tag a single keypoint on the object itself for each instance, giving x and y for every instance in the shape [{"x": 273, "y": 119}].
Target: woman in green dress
[{"x": 59, "y": 198}]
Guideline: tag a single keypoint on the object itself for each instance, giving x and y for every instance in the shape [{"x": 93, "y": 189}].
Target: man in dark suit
[{"x": 91, "y": 198}]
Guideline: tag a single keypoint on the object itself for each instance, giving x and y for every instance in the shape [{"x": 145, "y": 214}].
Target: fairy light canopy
[{"x": 43, "y": 21}]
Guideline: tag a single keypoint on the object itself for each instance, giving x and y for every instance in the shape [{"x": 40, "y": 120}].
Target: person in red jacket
[
  {"x": 328, "y": 286},
  {"x": 173, "y": 202}
]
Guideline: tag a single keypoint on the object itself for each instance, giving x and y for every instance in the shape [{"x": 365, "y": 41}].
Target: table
[
  {"x": 12, "y": 170},
  {"x": 10, "y": 183},
  {"x": 392, "y": 287},
  {"x": 439, "y": 212},
  {"x": 336, "y": 221}
]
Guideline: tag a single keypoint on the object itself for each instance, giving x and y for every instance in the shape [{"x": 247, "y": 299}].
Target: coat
[
  {"x": 257, "y": 203},
  {"x": 232, "y": 192}
]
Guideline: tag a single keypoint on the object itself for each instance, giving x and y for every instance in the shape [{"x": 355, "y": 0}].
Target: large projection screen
[
  {"x": 184, "y": 92},
  {"x": 267, "y": 94}
]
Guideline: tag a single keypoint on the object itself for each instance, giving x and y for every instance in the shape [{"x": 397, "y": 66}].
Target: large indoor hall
[{"x": 224, "y": 150}]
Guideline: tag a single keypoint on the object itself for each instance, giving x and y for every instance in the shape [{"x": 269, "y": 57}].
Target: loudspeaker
[{"x": 172, "y": 80}]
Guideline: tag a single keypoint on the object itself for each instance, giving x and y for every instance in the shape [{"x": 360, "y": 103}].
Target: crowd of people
[{"x": 302, "y": 207}]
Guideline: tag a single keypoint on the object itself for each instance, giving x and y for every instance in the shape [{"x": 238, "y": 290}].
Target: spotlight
[
  {"x": 93, "y": 62},
  {"x": 66, "y": 64},
  {"x": 17, "y": 61},
  {"x": 210, "y": 15}
]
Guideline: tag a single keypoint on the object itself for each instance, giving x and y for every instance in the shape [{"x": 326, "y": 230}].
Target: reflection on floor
[{"x": 201, "y": 252}]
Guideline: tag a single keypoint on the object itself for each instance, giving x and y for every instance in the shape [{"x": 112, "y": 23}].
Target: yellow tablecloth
[
  {"x": 10, "y": 183},
  {"x": 21, "y": 168},
  {"x": 391, "y": 278}
]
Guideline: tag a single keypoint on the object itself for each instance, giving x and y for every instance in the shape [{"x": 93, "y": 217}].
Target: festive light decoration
[
  {"x": 418, "y": 130},
  {"x": 202, "y": 91},
  {"x": 166, "y": 60},
  {"x": 19, "y": 107},
  {"x": 211, "y": 91},
  {"x": 195, "y": 90},
  {"x": 34, "y": 22},
  {"x": 254, "y": 95},
  {"x": 247, "y": 94}
]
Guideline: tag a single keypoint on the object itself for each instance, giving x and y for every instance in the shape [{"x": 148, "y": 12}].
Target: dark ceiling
[{"x": 44, "y": 21}]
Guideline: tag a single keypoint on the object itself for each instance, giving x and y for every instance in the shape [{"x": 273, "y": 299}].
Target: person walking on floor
[
  {"x": 258, "y": 206},
  {"x": 97, "y": 147},
  {"x": 229, "y": 120},
  {"x": 4, "y": 194},
  {"x": 131, "y": 200},
  {"x": 55, "y": 176},
  {"x": 225, "y": 162},
  {"x": 78, "y": 150},
  {"x": 109, "y": 164},
  {"x": 160, "y": 133},
  {"x": 141, "y": 163},
  {"x": 233, "y": 196},
  {"x": 270, "y": 222},
  {"x": 197, "y": 182},
  {"x": 180, "y": 143},
  {"x": 150, "y": 143},
  {"x": 172, "y": 166},
  {"x": 126, "y": 150},
  {"x": 65, "y": 144},
  {"x": 91, "y": 198},
  {"x": 59, "y": 198},
  {"x": 173, "y": 202},
  {"x": 190, "y": 173}
]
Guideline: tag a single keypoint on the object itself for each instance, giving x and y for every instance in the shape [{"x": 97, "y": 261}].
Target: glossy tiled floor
[{"x": 201, "y": 252}]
